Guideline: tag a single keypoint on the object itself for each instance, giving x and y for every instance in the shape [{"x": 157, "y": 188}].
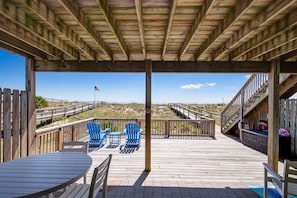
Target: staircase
[{"x": 253, "y": 93}]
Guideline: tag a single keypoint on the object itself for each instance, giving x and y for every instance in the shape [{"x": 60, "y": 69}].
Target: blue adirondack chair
[
  {"x": 97, "y": 136},
  {"x": 133, "y": 135}
]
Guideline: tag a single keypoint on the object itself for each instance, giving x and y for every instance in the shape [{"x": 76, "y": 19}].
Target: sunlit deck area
[{"x": 220, "y": 167}]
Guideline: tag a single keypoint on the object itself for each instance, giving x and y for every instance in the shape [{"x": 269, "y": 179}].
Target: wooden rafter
[
  {"x": 172, "y": 8},
  {"x": 103, "y": 6},
  {"x": 274, "y": 44},
  {"x": 282, "y": 50},
  {"x": 138, "y": 8},
  {"x": 277, "y": 33},
  {"x": 238, "y": 10},
  {"x": 85, "y": 30},
  {"x": 45, "y": 41},
  {"x": 289, "y": 55},
  {"x": 20, "y": 47},
  {"x": 206, "y": 7},
  {"x": 252, "y": 26},
  {"x": 75, "y": 12},
  {"x": 48, "y": 17},
  {"x": 14, "y": 37}
]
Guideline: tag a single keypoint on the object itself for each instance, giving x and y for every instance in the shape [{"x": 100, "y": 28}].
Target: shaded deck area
[{"x": 220, "y": 167}]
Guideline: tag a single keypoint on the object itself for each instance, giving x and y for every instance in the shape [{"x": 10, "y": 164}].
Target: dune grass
[
  {"x": 131, "y": 110},
  {"x": 117, "y": 111}
]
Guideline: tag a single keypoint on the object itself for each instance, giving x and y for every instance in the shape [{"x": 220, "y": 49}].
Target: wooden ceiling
[{"x": 157, "y": 30}]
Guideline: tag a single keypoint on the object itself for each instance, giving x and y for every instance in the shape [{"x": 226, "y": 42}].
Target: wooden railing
[
  {"x": 251, "y": 94},
  {"x": 231, "y": 112},
  {"x": 192, "y": 112},
  {"x": 51, "y": 113},
  {"x": 14, "y": 129},
  {"x": 50, "y": 139}
]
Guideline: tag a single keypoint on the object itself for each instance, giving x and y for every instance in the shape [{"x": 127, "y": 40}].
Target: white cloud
[
  {"x": 192, "y": 86},
  {"x": 197, "y": 86},
  {"x": 211, "y": 84}
]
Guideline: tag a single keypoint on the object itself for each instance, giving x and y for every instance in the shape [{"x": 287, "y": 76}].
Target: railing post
[
  {"x": 166, "y": 128},
  {"x": 60, "y": 138},
  {"x": 213, "y": 128},
  {"x": 73, "y": 130},
  {"x": 241, "y": 114},
  {"x": 52, "y": 119},
  {"x": 138, "y": 121}
]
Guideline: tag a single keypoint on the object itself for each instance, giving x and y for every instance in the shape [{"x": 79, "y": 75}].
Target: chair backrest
[
  {"x": 132, "y": 131},
  {"x": 290, "y": 171},
  {"x": 132, "y": 127},
  {"x": 77, "y": 146},
  {"x": 94, "y": 130},
  {"x": 93, "y": 127},
  {"x": 99, "y": 179}
]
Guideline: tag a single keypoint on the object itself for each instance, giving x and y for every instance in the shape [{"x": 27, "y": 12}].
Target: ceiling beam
[
  {"x": 138, "y": 7},
  {"x": 39, "y": 9},
  {"x": 103, "y": 6},
  {"x": 75, "y": 12},
  {"x": 172, "y": 9},
  {"x": 289, "y": 55},
  {"x": 237, "y": 11},
  {"x": 205, "y": 9},
  {"x": 281, "y": 31},
  {"x": 18, "y": 37},
  {"x": 252, "y": 26},
  {"x": 14, "y": 45},
  {"x": 34, "y": 32},
  {"x": 282, "y": 50},
  {"x": 274, "y": 44},
  {"x": 158, "y": 66}
]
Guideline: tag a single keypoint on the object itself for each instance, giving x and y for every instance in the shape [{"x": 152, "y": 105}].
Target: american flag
[{"x": 96, "y": 88}]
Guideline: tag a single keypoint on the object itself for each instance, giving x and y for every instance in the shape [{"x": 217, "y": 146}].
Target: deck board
[{"x": 220, "y": 167}]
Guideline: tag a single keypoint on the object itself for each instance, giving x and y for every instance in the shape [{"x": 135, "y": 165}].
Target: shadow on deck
[{"x": 195, "y": 167}]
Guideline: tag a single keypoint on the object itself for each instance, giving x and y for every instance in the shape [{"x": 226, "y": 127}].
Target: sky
[{"x": 122, "y": 87}]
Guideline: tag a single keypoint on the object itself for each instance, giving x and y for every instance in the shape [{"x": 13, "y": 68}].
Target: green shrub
[{"x": 41, "y": 102}]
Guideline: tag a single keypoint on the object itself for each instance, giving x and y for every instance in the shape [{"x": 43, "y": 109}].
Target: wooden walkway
[{"x": 210, "y": 168}]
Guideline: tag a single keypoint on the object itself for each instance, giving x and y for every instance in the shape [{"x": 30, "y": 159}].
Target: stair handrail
[{"x": 249, "y": 90}]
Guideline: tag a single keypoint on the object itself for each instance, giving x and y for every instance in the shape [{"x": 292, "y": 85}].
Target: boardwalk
[{"x": 219, "y": 167}]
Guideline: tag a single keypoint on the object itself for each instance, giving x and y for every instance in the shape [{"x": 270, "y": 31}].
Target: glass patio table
[{"x": 39, "y": 175}]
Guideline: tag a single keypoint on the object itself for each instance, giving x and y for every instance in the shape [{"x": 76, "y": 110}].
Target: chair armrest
[
  {"x": 125, "y": 131},
  {"x": 140, "y": 131},
  {"x": 87, "y": 131},
  {"x": 105, "y": 131},
  {"x": 269, "y": 169}
]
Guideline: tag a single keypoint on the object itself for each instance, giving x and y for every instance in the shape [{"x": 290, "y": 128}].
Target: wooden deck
[{"x": 220, "y": 167}]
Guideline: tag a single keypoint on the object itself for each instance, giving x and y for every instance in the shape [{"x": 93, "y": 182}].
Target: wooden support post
[
  {"x": 31, "y": 90},
  {"x": 273, "y": 115},
  {"x": 148, "y": 109}
]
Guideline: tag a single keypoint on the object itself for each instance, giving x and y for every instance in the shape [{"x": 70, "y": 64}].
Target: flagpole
[
  {"x": 94, "y": 97},
  {"x": 95, "y": 89}
]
